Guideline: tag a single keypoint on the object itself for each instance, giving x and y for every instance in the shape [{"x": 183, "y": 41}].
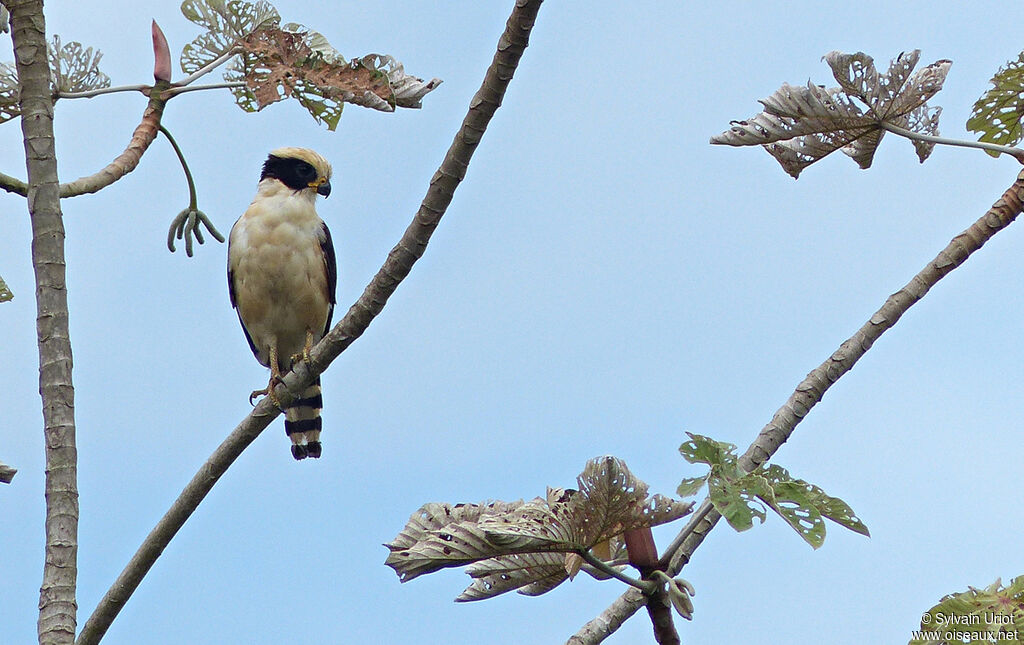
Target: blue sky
[{"x": 603, "y": 282}]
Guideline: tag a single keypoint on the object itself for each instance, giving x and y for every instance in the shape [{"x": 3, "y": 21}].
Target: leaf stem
[
  {"x": 209, "y": 67},
  {"x": 601, "y": 565},
  {"x": 88, "y": 94},
  {"x": 192, "y": 200},
  {"x": 176, "y": 90},
  {"x": 1016, "y": 153}
]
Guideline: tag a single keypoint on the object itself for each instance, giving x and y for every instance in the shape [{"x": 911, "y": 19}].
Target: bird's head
[{"x": 298, "y": 169}]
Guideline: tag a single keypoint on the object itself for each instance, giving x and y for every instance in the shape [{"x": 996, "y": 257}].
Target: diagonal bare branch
[
  {"x": 810, "y": 391},
  {"x": 399, "y": 262}
]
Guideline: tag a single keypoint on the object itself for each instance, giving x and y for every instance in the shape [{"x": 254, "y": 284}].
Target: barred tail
[{"x": 302, "y": 422}]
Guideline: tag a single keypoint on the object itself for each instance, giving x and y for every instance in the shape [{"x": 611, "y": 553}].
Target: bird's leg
[
  {"x": 275, "y": 379},
  {"x": 305, "y": 348}
]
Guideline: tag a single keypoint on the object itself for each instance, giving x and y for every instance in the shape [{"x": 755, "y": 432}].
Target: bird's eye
[{"x": 306, "y": 171}]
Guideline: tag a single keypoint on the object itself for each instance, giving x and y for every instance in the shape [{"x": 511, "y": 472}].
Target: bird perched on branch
[{"x": 282, "y": 276}]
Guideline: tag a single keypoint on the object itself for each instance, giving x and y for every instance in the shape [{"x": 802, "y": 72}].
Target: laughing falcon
[{"x": 282, "y": 277}]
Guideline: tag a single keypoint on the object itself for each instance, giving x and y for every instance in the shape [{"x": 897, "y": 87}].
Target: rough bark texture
[
  {"x": 810, "y": 391},
  {"x": 57, "y": 594},
  {"x": 398, "y": 264}
]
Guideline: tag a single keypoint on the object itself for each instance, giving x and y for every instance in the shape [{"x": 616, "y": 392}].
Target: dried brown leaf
[
  {"x": 801, "y": 125},
  {"x": 278, "y": 61},
  {"x": 498, "y": 536},
  {"x": 496, "y": 576}
]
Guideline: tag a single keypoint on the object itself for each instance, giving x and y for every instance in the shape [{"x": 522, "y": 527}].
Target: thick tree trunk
[{"x": 57, "y": 605}]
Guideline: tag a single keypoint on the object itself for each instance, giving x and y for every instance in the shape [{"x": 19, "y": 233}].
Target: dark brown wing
[
  {"x": 327, "y": 246},
  {"x": 234, "y": 305}
]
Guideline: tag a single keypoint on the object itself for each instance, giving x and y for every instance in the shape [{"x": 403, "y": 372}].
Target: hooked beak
[{"x": 324, "y": 188}]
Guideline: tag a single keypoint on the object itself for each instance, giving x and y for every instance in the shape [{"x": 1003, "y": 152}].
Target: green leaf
[
  {"x": 5, "y": 291},
  {"x": 737, "y": 505},
  {"x": 990, "y": 615},
  {"x": 705, "y": 450},
  {"x": 690, "y": 486},
  {"x": 998, "y": 113},
  {"x": 803, "y": 506},
  {"x": 792, "y": 503}
]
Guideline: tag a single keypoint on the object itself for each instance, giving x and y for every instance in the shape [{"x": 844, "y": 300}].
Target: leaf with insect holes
[
  {"x": 74, "y": 68},
  {"x": 999, "y": 113},
  {"x": 226, "y": 23},
  {"x": 741, "y": 497},
  {"x": 10, "y": 92},
  {"x": 801, "y": 125},
  {"x": 995, "y": 615},
  {"x": 805, "y": 506},
  {"x": 278, "y": 61},
  {"x": 524, "y": 545}
]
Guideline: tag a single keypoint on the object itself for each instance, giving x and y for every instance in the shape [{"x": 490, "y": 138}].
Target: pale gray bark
[
  {"x": 57, "y": 593},
  {"x": 809, "y": 392},
  {"x": 398, "y": 264}
]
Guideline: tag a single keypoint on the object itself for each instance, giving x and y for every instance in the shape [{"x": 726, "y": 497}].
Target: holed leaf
[
  {"x": 226, "y": 23},
  {"x": 280, "y": 61},
  {"x": 499, "y": 536},
  {"x": 999, "y": 113},
  {"x": 990, "y": 615},
  {"x": 740, "y": 497},
  {"x": 10, "y": 92},
  {"x": 495, "y": 576},
  {"x": 801, "y": 125},
  {"x": 705, "y": 450},
  {"x": 74, "y": 68},
  {"x": 5, "y": 291}
]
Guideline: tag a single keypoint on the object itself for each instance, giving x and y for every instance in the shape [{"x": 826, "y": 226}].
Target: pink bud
[{"x": 161, "y": 54}]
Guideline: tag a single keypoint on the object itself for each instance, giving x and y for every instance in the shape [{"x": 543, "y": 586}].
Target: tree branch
[
  {"x": 1016, "y": 153},
  {"x": 398, "y": 264},
  {"x": 99, "y": 91},
  {"x": 57, "y": 604},
  {"x": 810, "y": 391},
  {"x": 126, "y": 162},
  {"x": 605, "y": 568}
]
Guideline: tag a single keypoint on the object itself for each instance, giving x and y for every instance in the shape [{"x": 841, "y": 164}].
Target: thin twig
[
  {"x": 398, "y": 264},
  {"x": 1016, "y": 153},
  {"x": 209, "y": 67},
  {"x": 601, "y": 565},
  {"x": 88, "y": 94},
  {"x": 809, "y": 392},
  {"x": 175, "y": 91}
]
